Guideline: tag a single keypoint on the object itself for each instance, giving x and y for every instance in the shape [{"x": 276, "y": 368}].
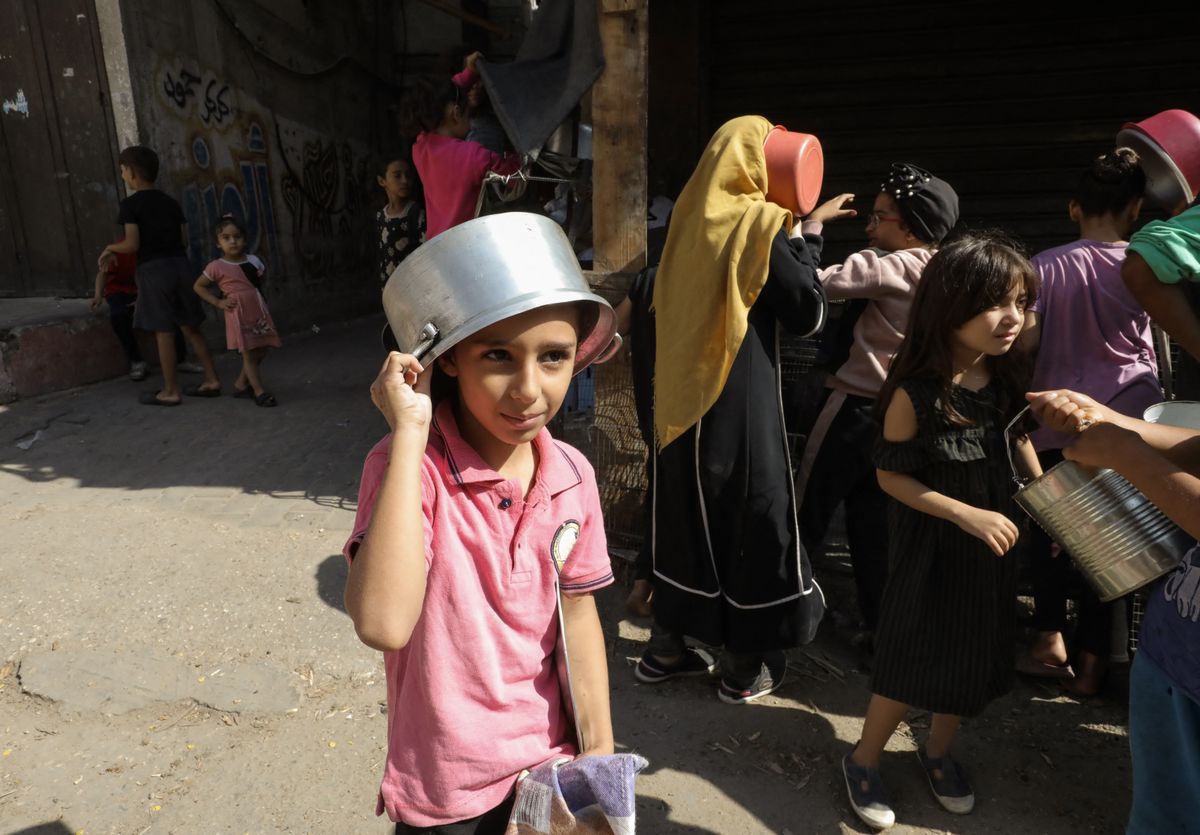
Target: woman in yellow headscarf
[{"x": 729, "y": 568}]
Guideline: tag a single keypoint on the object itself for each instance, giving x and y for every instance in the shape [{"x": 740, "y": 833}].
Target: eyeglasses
[{"x": 876, "y": 218}]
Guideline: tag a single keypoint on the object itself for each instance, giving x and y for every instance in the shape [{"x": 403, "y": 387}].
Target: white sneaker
[
  {"x": 137, "y": 371},
  {"x": 190, "y": 368}
]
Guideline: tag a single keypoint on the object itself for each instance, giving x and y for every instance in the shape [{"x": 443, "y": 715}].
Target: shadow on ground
[
  {"x": 55, "y": 828},
  {"x": 309, "y": 448},
  {"x": 331, "y": 581}
]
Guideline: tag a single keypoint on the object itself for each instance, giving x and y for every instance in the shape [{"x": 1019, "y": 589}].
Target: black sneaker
[
  {"x": 693, "y": 662},
  {"x": 952, "y": 790},
  {"x": 769, "y": 678},
  {"x": 868, "y": 799}
]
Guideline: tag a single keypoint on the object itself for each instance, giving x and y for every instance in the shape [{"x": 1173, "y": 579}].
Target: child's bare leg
[
  {"x": 1049, "y": 648},
  {"x": 165, "y": 340},
  {"x": 941, "y": 734},
  {"x": 883, "y": 717},
  {"x": 200, "y": 346},
  {"x": 251, "y": 359}
]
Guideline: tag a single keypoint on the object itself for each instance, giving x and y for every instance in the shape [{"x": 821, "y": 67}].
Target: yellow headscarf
[{"x": 713, "y": 268}]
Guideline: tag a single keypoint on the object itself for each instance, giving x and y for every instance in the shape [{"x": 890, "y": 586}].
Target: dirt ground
[{"x": 174, "y": 657}]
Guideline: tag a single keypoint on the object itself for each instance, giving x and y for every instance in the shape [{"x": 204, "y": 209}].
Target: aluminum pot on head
[{"x": 486, "y": 270}]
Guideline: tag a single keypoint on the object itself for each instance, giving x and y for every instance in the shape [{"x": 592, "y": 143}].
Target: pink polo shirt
[{"x": 474, "y": 698}]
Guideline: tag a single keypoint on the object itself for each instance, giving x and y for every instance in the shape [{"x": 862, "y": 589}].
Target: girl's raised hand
[
  {"x": 996, "y": 529},
  {"x": 401, "y": 392},
  {"x": 833, "y": 209}
]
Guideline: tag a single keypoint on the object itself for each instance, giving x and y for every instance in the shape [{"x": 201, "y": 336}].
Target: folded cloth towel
[
  {"x": 1171, "y": 248},
  {"x": 589, "y": 796}
]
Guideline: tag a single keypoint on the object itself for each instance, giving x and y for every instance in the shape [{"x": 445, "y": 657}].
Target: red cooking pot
[
  {"x": 1168, "y": 144},
  {"x": 795, "y": 168}
]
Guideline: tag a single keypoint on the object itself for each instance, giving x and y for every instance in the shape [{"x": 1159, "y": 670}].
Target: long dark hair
[{"x": 962, "y": 280}]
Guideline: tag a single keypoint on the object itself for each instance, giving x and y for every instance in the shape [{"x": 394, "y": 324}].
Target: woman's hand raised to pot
[{"x": 834, "y": 209}]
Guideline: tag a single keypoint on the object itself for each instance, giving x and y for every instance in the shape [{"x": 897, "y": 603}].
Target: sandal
[
  {"x": 151, "y": 398},
  {"x": 952, "y": 790},
  {"x": 200, "y": 391},
  {"x": 691, "y": 662},
  {"x": 266, "y": 399},
  {"x": 247, "y": 392}
]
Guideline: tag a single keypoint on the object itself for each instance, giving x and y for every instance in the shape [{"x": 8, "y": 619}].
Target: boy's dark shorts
[{"x": 166, "y": 295}]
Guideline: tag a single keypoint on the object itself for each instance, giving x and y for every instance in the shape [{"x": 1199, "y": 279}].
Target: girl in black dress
[{"x": 947, "y": 621}]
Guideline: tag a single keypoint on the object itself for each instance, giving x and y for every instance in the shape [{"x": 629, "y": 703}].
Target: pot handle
[
  {"x": 610, "y": 351},
  {"x": 426, "y": 339},
  {"x": 1083, "y": 424},
  {"x": 1008, "y": 445}
]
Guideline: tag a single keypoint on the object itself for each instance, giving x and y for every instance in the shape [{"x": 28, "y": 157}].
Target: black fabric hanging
[{"x": 559, "y": 60}]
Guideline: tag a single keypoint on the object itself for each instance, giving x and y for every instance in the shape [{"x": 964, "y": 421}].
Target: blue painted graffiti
[
  {"x": 248, "y": 200},
  {"x": 255, "y": 140},
  {"x": 200, "y": 152}
]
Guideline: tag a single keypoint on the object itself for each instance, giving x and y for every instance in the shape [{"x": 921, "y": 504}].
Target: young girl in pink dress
[{"x": 248, "y": 324}]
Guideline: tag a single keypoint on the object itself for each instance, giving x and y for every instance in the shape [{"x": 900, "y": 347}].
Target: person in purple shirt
[{"x": 1091, "y": 336}]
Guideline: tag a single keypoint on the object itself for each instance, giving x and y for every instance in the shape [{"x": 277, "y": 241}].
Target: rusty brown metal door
[{"x": 58, "y": 176}]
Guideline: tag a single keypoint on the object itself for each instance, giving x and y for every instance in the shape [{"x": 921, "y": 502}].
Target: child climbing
[{"x": 451, "y": 168}]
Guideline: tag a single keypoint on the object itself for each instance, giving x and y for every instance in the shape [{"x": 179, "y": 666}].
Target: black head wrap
[{"x": 928, "y": 205}]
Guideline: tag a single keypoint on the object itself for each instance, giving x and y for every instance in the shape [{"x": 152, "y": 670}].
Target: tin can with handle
[{"x": 1117, "y": 538}]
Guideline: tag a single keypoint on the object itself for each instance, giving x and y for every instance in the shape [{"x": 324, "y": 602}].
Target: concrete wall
[{"x": 271, "y": 110}]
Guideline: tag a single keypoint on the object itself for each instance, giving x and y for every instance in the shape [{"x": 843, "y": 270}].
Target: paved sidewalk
[{"x": 207, "y": 536}]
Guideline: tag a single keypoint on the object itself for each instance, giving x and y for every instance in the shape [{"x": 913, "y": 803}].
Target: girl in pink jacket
[
  {"x": 451, "y": 168},
  {"x": 913, "y": 212}
]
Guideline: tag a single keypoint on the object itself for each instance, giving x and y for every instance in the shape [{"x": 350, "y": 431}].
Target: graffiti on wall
[
  {"x": 234, "y": 156},
  {"x": 221, "y": 157},
  {"x": 210, "y": 101},
  {"x": 325, "y": 197},
  {"x": 247, "y": 196}
]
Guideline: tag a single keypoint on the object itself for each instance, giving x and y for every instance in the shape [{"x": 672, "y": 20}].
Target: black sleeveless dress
[{"x": 948, "y": 619}]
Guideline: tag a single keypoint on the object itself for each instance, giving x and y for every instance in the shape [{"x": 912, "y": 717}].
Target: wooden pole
[{"x": 619, "y": 139}]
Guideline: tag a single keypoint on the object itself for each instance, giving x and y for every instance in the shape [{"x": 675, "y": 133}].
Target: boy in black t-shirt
[{"x": 154, "y": 230}]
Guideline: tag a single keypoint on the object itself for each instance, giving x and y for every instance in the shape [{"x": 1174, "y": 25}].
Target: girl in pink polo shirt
[
  {"x": 451, "y": 168},
  {"x": 467, "y": 511}
]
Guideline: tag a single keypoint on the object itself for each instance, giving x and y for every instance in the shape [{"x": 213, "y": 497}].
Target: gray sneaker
[
  {"x": 769, "y": 679},
  {"x": 864, "y": 786},
  {"x": 190, "y": 368},
  {"x": 137, "y": 371}
]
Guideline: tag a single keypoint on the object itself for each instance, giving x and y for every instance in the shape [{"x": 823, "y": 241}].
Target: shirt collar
[{"x": 556, "y": 471}]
